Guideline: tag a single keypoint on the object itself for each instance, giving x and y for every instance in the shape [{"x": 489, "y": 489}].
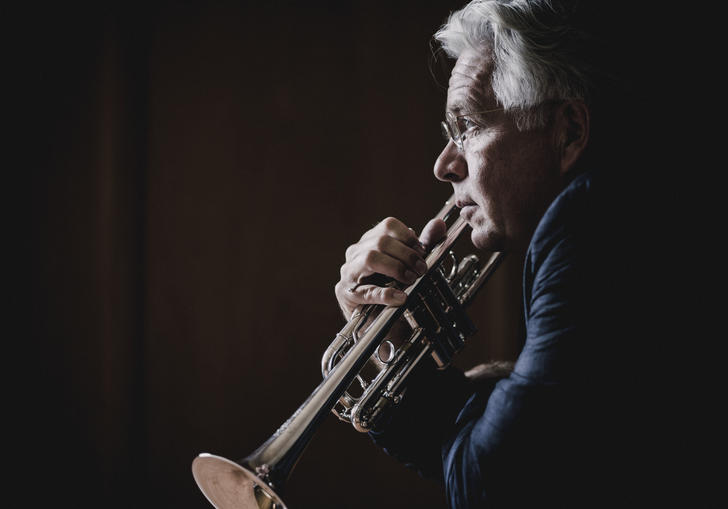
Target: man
[{"x": 562, "y": 428}]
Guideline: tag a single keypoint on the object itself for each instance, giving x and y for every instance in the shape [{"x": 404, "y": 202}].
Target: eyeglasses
[{"x": 451, "y": 129}]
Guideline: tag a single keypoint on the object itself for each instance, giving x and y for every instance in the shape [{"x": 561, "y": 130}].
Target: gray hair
[{"x": 536, "y": 53}]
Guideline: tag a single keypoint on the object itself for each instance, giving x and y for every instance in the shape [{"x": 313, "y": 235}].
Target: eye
[
  {"x": 468, "y": 128},
  {"x": 468, "y": 124}
]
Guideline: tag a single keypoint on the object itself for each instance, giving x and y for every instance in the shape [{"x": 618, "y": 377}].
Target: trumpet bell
[{"x": 228, "y": 485}]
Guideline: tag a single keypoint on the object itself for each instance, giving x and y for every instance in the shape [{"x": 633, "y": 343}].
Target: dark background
[{"x": 196, "y": 171}]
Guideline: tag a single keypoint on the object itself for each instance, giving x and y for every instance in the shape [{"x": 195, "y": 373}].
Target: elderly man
[{"x": 520, "y": 155}]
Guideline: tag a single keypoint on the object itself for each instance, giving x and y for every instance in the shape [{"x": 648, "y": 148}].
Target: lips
[
  {"x": 464, "y": 202},
  {"x": 467, "y": 208},
  {"x": 467, "y": 212}
]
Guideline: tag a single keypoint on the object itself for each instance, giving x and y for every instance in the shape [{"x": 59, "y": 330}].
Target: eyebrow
[
  {"x": 467, "y": 103},
  {"x": 467, "y": 107},
  {"x": 461, "y": 105}
]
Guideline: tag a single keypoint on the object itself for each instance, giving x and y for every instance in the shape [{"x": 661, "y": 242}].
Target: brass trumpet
[{"x": 435, "y": 312}]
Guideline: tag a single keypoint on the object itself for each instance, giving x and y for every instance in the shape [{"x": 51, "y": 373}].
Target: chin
[{"x": 487, "y": 240}]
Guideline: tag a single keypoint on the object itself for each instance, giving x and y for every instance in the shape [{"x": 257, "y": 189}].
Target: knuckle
[
  {"x": 341, "y": 292},
  {"x": 390, "y": 223},
  {"x": 345, "y": 271},
  {"x": 401, "y": 270},
  {"x": 349, "y": 253},
  {"x": 382, "y": 243},
  {"x": 370, "y": 258},
  {"x": 370, "y": 294}
]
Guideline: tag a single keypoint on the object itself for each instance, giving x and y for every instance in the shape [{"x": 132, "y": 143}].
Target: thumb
[{"x": 433, "y": 232}]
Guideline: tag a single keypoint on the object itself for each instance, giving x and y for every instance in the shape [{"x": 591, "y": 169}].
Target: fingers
[
  {"x": 350, "y": 298},
  {"x": 371, "y": 262},
  {"x": 389, "y": 249},
  {"x": 392, "y": 258},
  {"x": 396, "y": 229}
]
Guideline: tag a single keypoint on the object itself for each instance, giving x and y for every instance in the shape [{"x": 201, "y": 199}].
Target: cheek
[
  {"x": 491, "y": 175},
  {"x": 519, "y": 163},
  {"x": 508, "y": 174}
]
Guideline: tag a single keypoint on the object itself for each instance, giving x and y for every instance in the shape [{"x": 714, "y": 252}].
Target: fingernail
[
  {"x": 421, "y": 267},
  {"x": 409, "y": 275}
]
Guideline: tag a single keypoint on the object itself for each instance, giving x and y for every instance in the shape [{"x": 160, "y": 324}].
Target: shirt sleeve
[{"x": 412, "y": 431}]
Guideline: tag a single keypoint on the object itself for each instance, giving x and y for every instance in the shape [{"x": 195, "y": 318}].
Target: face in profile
[{"x": 503, "y": 178}]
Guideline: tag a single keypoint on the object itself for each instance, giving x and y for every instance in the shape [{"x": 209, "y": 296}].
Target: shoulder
[
  {"x": 573, "y": 212},
  {"x": 563, "y": 284},
  {"x": 570, "y": 226}
]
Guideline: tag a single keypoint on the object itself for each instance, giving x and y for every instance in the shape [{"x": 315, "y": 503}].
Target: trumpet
[{"x": 364, "y": 371}]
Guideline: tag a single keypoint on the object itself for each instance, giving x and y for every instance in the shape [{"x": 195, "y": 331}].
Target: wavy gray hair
[{"x": 536, "y": 52}]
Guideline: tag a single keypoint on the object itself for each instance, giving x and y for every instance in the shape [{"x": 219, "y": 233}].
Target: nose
[{"x": 450, "y": 165}]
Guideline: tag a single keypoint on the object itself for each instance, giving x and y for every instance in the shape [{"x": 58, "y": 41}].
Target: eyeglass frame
[{"x": 450, "y": 129}]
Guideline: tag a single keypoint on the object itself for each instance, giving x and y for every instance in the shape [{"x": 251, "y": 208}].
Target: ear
[{"x": 572, "y": 132}]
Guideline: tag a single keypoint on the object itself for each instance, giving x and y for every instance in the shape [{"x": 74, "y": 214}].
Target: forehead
[{"x": 469, "y": 88}]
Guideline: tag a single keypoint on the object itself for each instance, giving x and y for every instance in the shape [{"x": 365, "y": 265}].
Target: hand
[{"x": 389, "y": 249}]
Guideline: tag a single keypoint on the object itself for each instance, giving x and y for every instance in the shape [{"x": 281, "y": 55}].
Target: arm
[{"x": 412, "y": 431}]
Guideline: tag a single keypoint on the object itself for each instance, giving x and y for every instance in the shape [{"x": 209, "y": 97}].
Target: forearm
[
  {"x": 501, "y": 438},
  {"x": 413, "y": 431}
]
